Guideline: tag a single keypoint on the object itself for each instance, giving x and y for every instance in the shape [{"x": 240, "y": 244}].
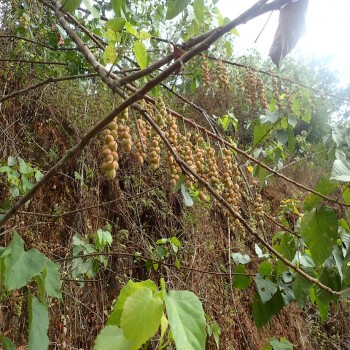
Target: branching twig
[
  {"x": 46, "y": 82},
  {"x": 20, "y": 60}
]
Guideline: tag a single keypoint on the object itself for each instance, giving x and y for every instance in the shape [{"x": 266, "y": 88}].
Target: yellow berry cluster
[
  {"x": 222, "y": 75},
  {"x": 124, "y": 136},
  {"x": 205, "y": 71},
  {"x": 259, "y": 210},
  {"x": 141, "y": 144},
  {"x": 154, "y": 156},
  {"x": 109, "y": 150},
  {"x": 250, "y": 87}
]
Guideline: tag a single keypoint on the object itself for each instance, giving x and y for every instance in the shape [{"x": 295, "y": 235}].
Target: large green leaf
[
  {"x": 116, "y": 24},
  {"x": 284, "y": 243},
  {"x": 21, "y": 266},
  {"x": 240, "y": 280},
  {"x": 140, "y": 53},
  {"x": 7, "y": 343},
  {"x": 281, "y": 344},
  {"x": 112, "y": 338},
  {"x": 324, "y": 186},
  {"x": 141, "y": 316},
  {"x": 126, "y": 291},
  {"x": 119, "y": 6},
  {"x": 262, "y": 312},
  {"x": 266, "y": 288},
  {"x": 52, "y": 282},
  {"x": 175, "y": 7},
  {"x": 329, "y": 276},
  {"x": 186, "y": 319},
  {"x": 199, "y": 9},
  {"x": 110, "y": 55},
  {"x": 71, "y": 5},
  {"x": 319, "y": 229},
  {"x": 38, "y": 324},
  {"x": 301, "y": 287},
  {"x": 341, "y": 170}
]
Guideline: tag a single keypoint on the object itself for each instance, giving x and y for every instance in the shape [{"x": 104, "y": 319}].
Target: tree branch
[{"x": 45, "y": 82}]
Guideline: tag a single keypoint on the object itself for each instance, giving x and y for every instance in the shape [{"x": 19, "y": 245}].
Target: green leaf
[
  {"x": 281, "y": 344},
  {"x": 164, "y": 324},
  {"x": 270, "y": 117},
  {"x": 93, "y": 10},
  {"x": 71, "y": 5},
  {"x": 187, "y": 197},
  {"x": 266, "y": 288},
  {"x": 23, "y": 167},
  {"x": 198, "y": 8},
  {"x": 338, "y": 135},
  {"x": 324, "y": 186},
  {"x": 235, "y": 31},
  {"x": 329, "y": 276},
  {"x": 281, "y": 136},
  {"x": 174, "y": 7},
  {"x": 239, "y": 280},
  {"x": 291, "y": 140},
  {"x": 112, "y": 338},
  {"x": 118, "y": 6},
  {"x": 186, "y": 319},
  {"x": 284, "y": 243},
  {"x": 341, "y": 170},
  {"x": 144, "y": 35},
  {"x": 265, "y": 268},
  {"x": 116, "y": 24},
  {"x": 301, "y": 287},
  {"x": 110, "y": 55},
  {"x": 319, "y": 230},
  {"x": 126, "y": 291},
  {"x": 104, "y": 238},
  {"x": 8, "y": 345},
  {"x": 52, "y": 282},
  {"x": 140, "y": 53},
  {"x": 38, "y": 324},
  {"x": 262, "y": 312},
  {"x": 131, "y": 29},
  {"x": 21, "y": 266},
  {"x": 11, "y": 161},
  {"x": 141, "y": 316}
]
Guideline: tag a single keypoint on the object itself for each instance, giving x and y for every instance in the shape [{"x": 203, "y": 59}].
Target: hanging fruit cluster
[
  {"x": 275, "y": 89},
  {"x": 259, "y": 210},
  {"x": 222, "y": 75},
  {"x": 221, "y": 173},
  {"x": 124, "y": 136},
  {"x": 109, "y": 150},
  {"x": 250, "y": 88},
  {"x": 205, "y": 71},
  {"x": 261, "y": 93},
  {"x": 141, "y": 144}
]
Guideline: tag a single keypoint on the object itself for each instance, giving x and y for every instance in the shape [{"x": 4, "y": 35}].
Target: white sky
[{"x": 328, "y": 31}]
